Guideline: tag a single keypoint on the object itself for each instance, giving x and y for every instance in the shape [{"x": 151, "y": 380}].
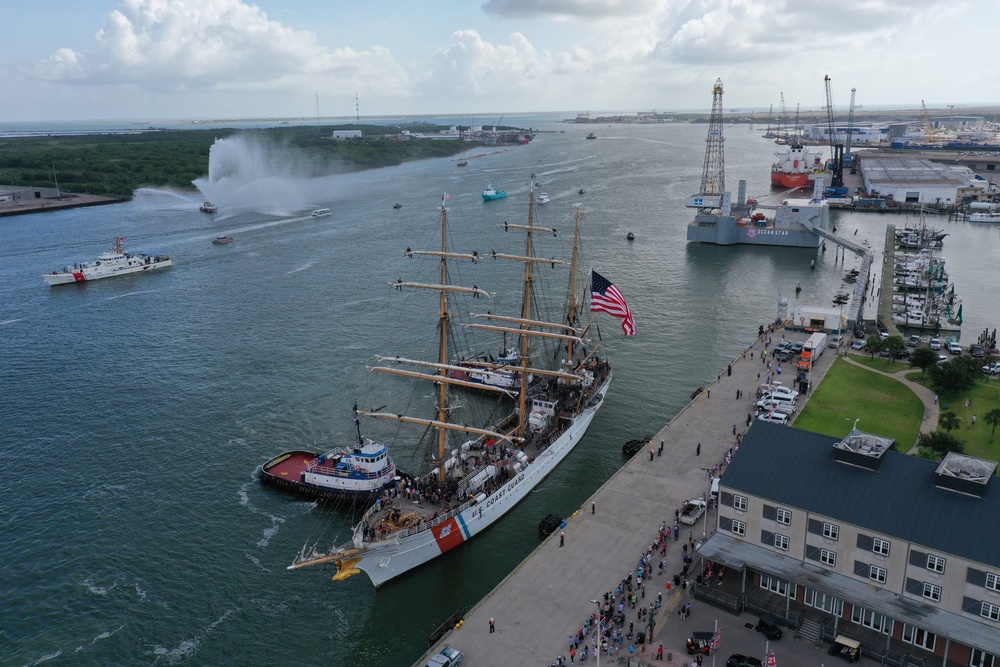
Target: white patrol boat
[{"x": 108, "y": 264}]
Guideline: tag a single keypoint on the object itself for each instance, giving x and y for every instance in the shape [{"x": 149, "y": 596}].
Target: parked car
[
  {"x": 783, "y": 345},
  {"x": 740, "y": 660},
  {"x": 447, "y": 657},
  {"x": 777, "y": 406},
  {"x": 700, "y": 642},
  {"x": 935, "y": 344},
  {"x": 769, "y": 627},
  {"x": 835, "y": 341},
  {"x": 796, "y": 348},
  {"x": 780, "y": 390},
  {"x": 913, "y": 340},
  {"x": 767, "y": 397},
  {"x": 847, "y": 648},
  {"x": 992, "y": 369},
  {"x": 954, "y": 348},
  {"x": 942, "y": 358},
  {"x": 883, "y": 334},
  {"x": 976, "y": 350},
  {"x": 775, "y": 418},
  {"x": 858, "y": 345},
  {"x": 692, "y": 511},
  {"x": 783, "y": 355}
]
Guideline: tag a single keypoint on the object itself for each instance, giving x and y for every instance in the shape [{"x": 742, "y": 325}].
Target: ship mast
[
  {"x": 442, "y": 402},
  {"x": 522, "y": 403},
  {"x": 572, "y": 303}
]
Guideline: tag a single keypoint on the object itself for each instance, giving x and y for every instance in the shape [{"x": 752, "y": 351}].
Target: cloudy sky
[{"x": 222, "y": 59}]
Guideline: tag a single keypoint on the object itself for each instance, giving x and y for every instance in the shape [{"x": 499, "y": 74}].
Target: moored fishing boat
[
  {"x": 108, "y": 265},
  {"x": 474, "y": 483}
]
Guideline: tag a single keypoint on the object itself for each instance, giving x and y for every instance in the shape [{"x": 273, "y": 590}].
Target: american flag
[{"x": 605, "y": 298}]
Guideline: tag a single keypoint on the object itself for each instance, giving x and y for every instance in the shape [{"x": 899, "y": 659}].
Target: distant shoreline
[{"x": 64, "y": 201}]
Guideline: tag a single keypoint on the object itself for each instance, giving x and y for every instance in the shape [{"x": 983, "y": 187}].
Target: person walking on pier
[
  {"x": 697, "y": 451},
  {"x": 562, "y": 538},
  {"x": 593, "y": 508},
  {"x": 493, "y": 625}
]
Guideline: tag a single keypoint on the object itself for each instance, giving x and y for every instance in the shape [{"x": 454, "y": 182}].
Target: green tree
[
  {"x": 896, "y": 346},
  {"x": 923, "y": 358},
  {"x": 949, "y": 421},
  {"x": 952, "y": 376},
  {"x": 874, "y": 344},
  {"x": 935, "y": 445},
  {"x": 993, "y": 419}
]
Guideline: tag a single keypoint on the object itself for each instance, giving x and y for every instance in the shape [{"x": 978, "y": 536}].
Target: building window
[
  {"x": 828, "y": 557},
  {"x": 919, "y": 637},
  {"x": 824, "y": 602},
  {"x": 740, "y": 503},
  {"x": 990, "y": 611},
  {"x": 739, "y": 528},
  {"x": 880, "y": 546},
  {"x": 776, "y": 585},
  {"x": 932, "y": 592},
  {"x": 992, "y": 581},
  {"x": 784, "y": 516},
  {"x": 781, "y": 541},
  {"x": 871, "y": 619},
  {"x": 981, "y": 659},
  {"x": 935, "y": 564},
  {"x": 876, "y": 573},
  {"x": 831, "y": 531}
]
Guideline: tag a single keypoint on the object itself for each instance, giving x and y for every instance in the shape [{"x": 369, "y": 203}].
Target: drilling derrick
[{"x": 713, "y": 175}]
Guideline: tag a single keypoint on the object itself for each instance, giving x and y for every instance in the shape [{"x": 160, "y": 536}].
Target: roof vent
[
  {"x": 964, "y": 474},
  {"x": 864, "y": 450}
]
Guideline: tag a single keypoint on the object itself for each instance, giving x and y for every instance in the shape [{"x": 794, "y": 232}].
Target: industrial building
[
  {"x": 848, "y": 537},
  {"x": 916, "y": 180}
]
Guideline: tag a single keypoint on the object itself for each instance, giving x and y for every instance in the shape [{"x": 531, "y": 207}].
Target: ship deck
[{"x": 291, "y": 467}]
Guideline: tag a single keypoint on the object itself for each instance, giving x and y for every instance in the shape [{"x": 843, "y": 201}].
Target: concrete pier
[
  {"x": 885, "y": 296},
  {"x": 549, "y": 595}
]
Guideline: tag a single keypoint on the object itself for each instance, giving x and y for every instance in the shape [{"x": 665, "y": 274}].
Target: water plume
[{"x": 248, "y": 173}]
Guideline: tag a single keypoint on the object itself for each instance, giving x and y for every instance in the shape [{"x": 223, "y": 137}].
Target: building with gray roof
[{"x": 899, "y": 552}]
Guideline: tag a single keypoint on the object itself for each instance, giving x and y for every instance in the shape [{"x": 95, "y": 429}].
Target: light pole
[{"x": 599, "y": 642}]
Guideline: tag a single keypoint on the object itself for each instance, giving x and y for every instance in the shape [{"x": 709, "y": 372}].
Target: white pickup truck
[
  {"x": 448, "y": 657},
  {"x": 692, "y": 511}
]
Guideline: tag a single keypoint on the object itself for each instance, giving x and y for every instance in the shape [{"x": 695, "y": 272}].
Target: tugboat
[
  {"x": 492, "y": 192},
  {"x": 108, "y": 264},
  {"x": 359, "y": 474}
]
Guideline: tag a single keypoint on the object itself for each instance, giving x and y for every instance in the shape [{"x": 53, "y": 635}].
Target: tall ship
[
  {"x": 721, "y": 220},
  {"x": 117, "y": 262},
  {"x": 793, "y": 167},
  {"x": 479, "y": 470}
]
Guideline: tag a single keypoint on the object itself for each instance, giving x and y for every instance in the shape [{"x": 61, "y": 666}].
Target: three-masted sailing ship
[{"x": 475, "y": 483}]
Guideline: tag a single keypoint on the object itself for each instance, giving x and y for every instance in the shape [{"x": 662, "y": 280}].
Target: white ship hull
[
  {"x": 383, "y": 561},
  {"x": 89, "y": 273}
]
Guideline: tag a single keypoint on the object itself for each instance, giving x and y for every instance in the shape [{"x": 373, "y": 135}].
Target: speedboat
[
  {"x": 223, "y": 240},
  {"x": 208, "y": 207},
  {"x": 322, "y": 212},
  {"x": 591, "y": 136},
  {"x": 542, "y": 198},
  {"x": 397, "y": 205}
]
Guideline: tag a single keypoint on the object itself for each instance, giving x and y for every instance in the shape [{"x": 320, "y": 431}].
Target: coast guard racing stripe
[
  {"x": 79, "y": 277},
  {"x": 450, "y": 534}
]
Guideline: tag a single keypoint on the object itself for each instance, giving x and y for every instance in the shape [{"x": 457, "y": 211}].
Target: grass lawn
[
  {"x": 881, "y": 405},
  {"x": 985, "y": 396},
  {"x": 880, "y": 364}
]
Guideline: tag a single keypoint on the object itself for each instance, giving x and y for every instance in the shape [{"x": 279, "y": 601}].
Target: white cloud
[
  {"x": 579, "y": 9},
  {"x": 162, "y": 45}
]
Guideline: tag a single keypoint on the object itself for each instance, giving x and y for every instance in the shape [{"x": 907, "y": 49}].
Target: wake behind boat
[
  {"x": 108, "y": 265},
  {"x": 476, "y": 481}
]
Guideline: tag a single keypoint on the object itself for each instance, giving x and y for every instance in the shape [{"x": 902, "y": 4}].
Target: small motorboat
[
  {"x": 630, "y": 236},
  {"x": 463, "y": 163},
  {"x": 543, "y": 199},
  {"x": 397, "y": 205},
  {"x": 208, "y": 207},
  {"x": 222, "y": 240},
  {"x": 591, "y": 136},
  {"x": 321, "y": 213},
  {"x": 581, "y": 191}
]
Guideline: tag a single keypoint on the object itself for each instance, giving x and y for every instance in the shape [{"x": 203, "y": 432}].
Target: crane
[
  {"x": 713, "y": 176},
  {"x": 928, "y": 128},
  {"x": 850, "y": 134},
  {"x": 836, "y": 150}
]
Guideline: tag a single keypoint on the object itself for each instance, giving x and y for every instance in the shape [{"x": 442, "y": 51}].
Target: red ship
[{"x": 794, "y": 166}]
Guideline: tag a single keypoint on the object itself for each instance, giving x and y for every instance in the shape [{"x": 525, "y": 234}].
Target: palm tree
[
  {"x": 993, "y": 419},
  {"x": 949, "y": 421}
]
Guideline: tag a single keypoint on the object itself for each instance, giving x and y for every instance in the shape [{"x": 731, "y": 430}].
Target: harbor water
[{"x": 135, "y": 411}]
